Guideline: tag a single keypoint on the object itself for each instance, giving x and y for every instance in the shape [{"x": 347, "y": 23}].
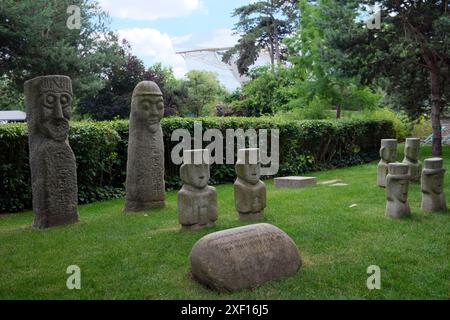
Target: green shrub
[
  {"x": 400, "y": 121},
  {"x": 101, "y": 152},
  {"x": 422, "y": 128}
]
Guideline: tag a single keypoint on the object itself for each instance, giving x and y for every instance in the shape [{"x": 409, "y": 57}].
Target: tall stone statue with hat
[
  {"x": 433, "y": 197},
  {"x": 145, "y": 186},
  {"x": 48, "y": 102}
]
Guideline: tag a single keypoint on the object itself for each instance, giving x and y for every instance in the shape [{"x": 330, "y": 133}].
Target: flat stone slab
[
  {"x": 244, "y": 257},
  {"x": 328, "y": 182},
  {"x": 295, "y": 182},
  {"x": 338, "y": 185}
]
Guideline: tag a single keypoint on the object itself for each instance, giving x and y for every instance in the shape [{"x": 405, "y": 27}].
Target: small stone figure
[
  {"x": 388, "y": 154},
  {"x": 433, "y": 197},
  {"x": 249, "y": 190},
  {"x": 397, "y": 183},
  {"x": 145, "y": 186},
  {"x": 48, "y": 102},
  {"x": 412, "y": 149},
  {"x": 197, "y": 202}
]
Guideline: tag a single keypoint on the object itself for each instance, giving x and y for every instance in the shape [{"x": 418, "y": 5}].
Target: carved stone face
[
  {"x": 196, "y": 175},
  {"x": 250, "y": 173},
  {"x": 433, "y": 183},
  {"x": 388, "y": 153},
  {"x": 149, "y": 108},
  {"x": 399, "y": 190},
  {"x": 412, "y": 151},
  {"x": 55, "y": 114}
]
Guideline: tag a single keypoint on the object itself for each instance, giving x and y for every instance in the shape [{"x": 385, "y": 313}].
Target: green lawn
[{"x": 145, "y": 256}]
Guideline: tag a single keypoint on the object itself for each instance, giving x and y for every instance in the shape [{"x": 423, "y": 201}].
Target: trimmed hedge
[{"x": 101, "y": 152}]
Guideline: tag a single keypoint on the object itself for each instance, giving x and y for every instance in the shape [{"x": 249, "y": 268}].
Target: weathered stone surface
[
  {"x": 249, "y": 190},
  {"x": 48, "y": 102},
  {"x": 412, "y": 150},
  {"x": 197, "y": 202},
  {"x": 145, "y": 187},
  {"x": 433, "y": 197},
  {"x": 244, "y": 257},
  {"x": 295, "y": 182},
  {"x": 397, "y": 184},
  {"x": 388, "y": 154}
]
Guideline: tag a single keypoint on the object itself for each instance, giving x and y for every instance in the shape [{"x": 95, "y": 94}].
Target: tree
[
  {"x": 266, "y": 93},
  {"x": 10, "y": 98},
  {"x": 316, "y": 79},
  {"x": 114, "y": 100},
  {"x": 263, "y": 25},
  {"x": 410, "y": 54},
  {"x": 203, "y": 88},
  {"x": 36, "y": 41}
]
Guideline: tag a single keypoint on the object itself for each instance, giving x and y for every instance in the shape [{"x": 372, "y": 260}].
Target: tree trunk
[
  {"x": 272, "y": 57},
  {"x": 436, "y": 108},
  {"x": 338, "y": 111},
  {"x": 276, "y": 41}
]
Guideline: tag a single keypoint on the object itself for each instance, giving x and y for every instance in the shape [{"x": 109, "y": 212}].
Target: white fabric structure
[
  {"x": 12, "y": 116},
  {"x": 211, "y": 60}
]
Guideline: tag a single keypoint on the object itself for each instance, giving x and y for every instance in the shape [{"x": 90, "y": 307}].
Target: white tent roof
[
  {"x": 14, "y": 115},
  {"x": 211, "y": 60}
]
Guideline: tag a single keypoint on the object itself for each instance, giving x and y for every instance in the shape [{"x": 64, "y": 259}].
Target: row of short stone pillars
[{"x": 396, "y": 177}]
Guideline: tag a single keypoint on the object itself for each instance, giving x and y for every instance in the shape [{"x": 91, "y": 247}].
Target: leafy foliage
[
  {"x": 37, "y": 41},
  {"x": 203, "y": 89},
  {"x": 263, "y": 25},
  {"x": 409, "y": 56}
]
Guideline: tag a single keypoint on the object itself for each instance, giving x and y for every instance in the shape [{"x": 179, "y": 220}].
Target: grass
[{"x": 145, "y": 256}]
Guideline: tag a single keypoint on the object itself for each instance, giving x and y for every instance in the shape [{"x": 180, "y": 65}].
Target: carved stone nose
[{"x": 58, "y": 111}]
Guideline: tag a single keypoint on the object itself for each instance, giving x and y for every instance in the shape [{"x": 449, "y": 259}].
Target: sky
[{"x": 157, "y": 29}]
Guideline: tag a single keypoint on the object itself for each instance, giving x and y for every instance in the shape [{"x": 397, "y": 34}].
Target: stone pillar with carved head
[
  {"x": 412, "y": 150},
  {"x": 249, "y": 190},
  {"x": 388, "y": 154},
  {"x": 197, "y": 202},
  {"x": 145, "y": 187},
  {"x": 433, "y": 197},
  {"x": 48, "y": 101},
  {"x": 397, "y": 184}
]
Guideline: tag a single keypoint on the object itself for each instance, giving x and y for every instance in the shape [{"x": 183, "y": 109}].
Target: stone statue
[
  {"x": 197, "y": 202},
  {"x": 433, "y": 197},
  {"x": 397, "y": 183},
  {"x": 249, "y": 191},
  {"x": 412, "y": 149},
  {"x": 388, "y": 154},
  {"x": 145, "y": 186},
  {"x": 48, "y": 102}
]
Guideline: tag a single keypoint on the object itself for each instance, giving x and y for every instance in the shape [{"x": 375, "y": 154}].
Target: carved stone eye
[
  {"x": 145, "y": 104},
  {"x": 50, "y": 99},
  {"x": 64, "y": 100}
]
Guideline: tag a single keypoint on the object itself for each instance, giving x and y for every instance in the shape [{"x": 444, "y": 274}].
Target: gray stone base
[
  {"x": 197, "y": 226},
  {"x": 134, "y": 207},
  {"x": 251, "y": 216},
  {"x": 43, "y": 222},
  {"x": 295, "y": 182}
]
